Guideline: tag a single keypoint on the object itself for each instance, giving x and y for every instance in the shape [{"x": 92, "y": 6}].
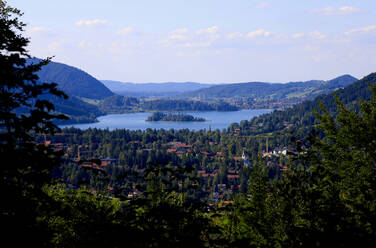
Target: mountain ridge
[
  {"x": 279, "y": 90},
  {"x": 300, "y": 119},
  {"x": 72, "y": 80},
  {"x": 78, "y": 85},
  {"x": 152, "y": 89}
]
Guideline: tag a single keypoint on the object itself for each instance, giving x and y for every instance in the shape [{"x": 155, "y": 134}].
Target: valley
[
  {"x": 103, "y": 163},
  {"x": 89, "y": 98}
]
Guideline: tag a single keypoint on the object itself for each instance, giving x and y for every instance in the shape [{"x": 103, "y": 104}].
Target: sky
[{"x": 207, "y": 41}]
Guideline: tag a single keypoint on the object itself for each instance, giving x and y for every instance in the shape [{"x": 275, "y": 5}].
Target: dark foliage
[
  {"x": 186, "y": 105},
  {"x": 276, "y": 91},
  {"x": 72, "y": 81},
  {"x": 25, "y": 166},
  {"x": 159, "y": 116}
]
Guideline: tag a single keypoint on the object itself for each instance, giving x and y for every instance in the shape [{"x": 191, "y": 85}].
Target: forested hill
[
  {"x": 73, "y": 81},
  {"x": 274, "y": 91},
  {"x": 153, "y": 89},
  {"x": 300, "y": 118},
  {"x": 78, "y": 85}
]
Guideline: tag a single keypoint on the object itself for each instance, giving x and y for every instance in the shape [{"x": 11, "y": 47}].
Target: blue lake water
[{"x": 134, "y": 121}]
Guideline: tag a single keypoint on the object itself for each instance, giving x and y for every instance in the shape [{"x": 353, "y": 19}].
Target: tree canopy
[{"x": 25, "y": 166}]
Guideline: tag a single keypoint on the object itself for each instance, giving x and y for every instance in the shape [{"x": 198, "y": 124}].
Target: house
[
  {"x": 279, "y": 152},
  {"x": 267, "y": 154},
  {"x": 93, "y": 166},
  {"x": 238, "y": 158},
  {"x": 107, "y": 161},
  {"x": 173, "y": 143},
  {"x": 183, "y": 145}
]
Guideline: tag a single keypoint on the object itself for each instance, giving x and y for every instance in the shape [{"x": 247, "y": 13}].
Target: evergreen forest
[{"x": 304, "y": 177}]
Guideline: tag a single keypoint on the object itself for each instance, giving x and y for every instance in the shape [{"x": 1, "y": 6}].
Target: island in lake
[{"x": 159, "y": 116}]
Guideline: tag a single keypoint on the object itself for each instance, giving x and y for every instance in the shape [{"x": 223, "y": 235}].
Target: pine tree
[{"x": 25, "y": 166}]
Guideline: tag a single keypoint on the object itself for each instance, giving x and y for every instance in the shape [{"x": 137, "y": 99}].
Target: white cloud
[
  {"x": 235, "y": 35},
  {"x": 211, "y": 30},
  {"x": 317, "y": 35},
  {"x": 91, "y": 23},
  {"x": 177, "y": 37},
  {"x": 125, "y": 31},
  {"x": 178, "y": 34},
  {"x": 180, "y": 31},
  {"x": 259, "y": 32},
  {"x": 362, "y": 30},
  {"x": 40, "y": 31},
  {"x": 331, "y": 11},
  {"x": 197, "y": 44},
  {"x": 37, "y": 29},
  {"x": 298, "y": 35}
]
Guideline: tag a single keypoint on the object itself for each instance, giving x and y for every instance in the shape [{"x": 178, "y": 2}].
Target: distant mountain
[
  {"x": 273, "y": 91},
  {"x": 300, "y": 119},
  {"x": 73, "y": 81},
  {"x": 78, "y": 85},
  {"x": 153, "y": 89},
  {"x": 89, "y": 98},
  {"x": 77, "y": 110},
  {"x": 341, "y": 81}
]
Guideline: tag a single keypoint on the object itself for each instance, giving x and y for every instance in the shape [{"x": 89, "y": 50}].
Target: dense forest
[
  {"x": 181, "y": 188},
  {"x": 90, "y": 98},
  {"x": 301, "y": 118},
  {"x": 276, "y": 91},
  {"x": 186, "y": 105},
  {"x": 72, "y": 81},
  {"x": 179, "y": 117},
  {"x": 124, "y": 104},
  {"x": 168, "y": 89}
]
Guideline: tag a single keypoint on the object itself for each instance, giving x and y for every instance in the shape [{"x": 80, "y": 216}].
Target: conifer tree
[{"x": 25, "y": 166}]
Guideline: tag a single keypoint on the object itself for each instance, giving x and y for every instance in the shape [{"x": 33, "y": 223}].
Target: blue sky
[{"x": 209, "y": 41}]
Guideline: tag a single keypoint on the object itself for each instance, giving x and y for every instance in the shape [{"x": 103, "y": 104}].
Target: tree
[
  {"x": 25, "y": 166},
  {"x": 343, "y": 179},
  {"x": 327, "y": 198}
]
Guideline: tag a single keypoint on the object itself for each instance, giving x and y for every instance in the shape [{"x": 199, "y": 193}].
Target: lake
[{"x": 134, "y": 121}]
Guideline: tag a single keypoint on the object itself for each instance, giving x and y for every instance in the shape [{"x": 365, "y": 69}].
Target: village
[{"x": 219, "y": 174}]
